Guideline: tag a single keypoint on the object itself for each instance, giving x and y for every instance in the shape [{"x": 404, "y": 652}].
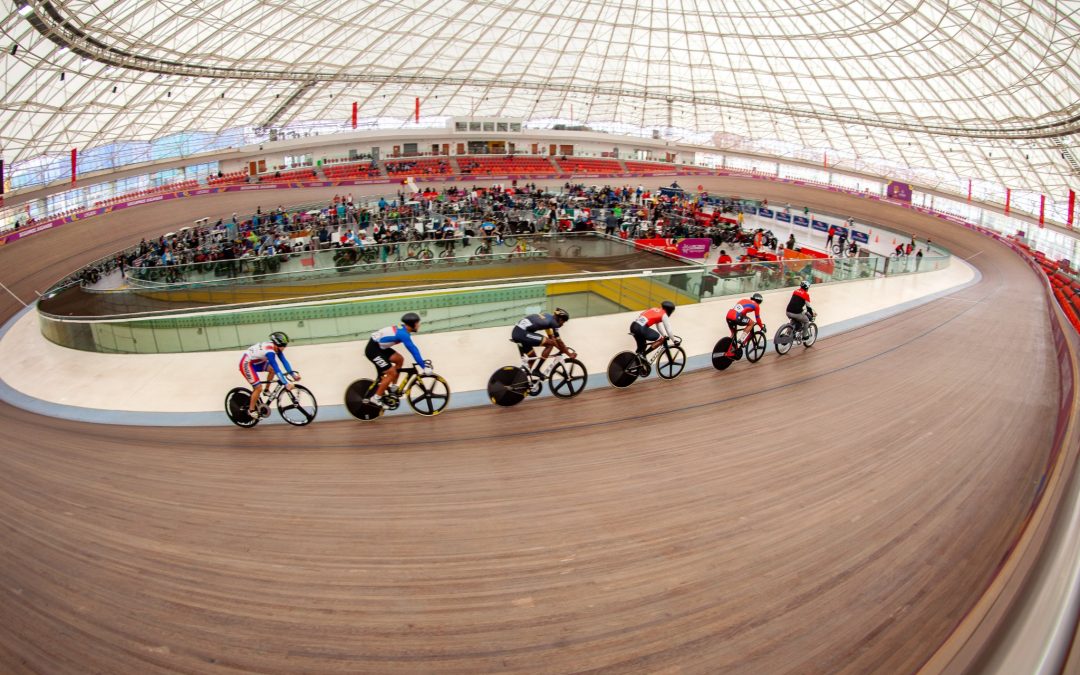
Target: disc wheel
[
  {"x": 568, "y": 378},
  {"x": 783, "y": 339},
  {"x": 297, "y": 406},
  {"x": 622, "y": 371},
  {"x": 809, "y": 342},
  {"x": 429, "y": 395},
  {"x": 236, "y": 407},
  {"x": 671, "y": 362},
  {"x": 755, "y": 349},
  {"x": 507, "y": 386},
  {"x": 720, "y": 359},
  {"x": 355, "y": 394}
]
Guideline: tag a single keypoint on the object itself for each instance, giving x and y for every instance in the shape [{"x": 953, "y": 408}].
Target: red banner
[
  {"x": 969, "y": 189},
  {"x": 1072, "y": 207},
  {"x": 1008, "y": 198},
  {"x": 354, "y": 107},
  {"x": 418, "y": 110},
  {"x": 1042, "y": 210},
  {"x": 74, "y": 164}
]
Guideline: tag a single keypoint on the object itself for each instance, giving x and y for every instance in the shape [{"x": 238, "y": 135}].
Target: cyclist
[
  {"x": 738, "y": 317},
  {"x": 380, "y": 351},
  {"x": 798, "y": 306},
  {"x": 527, "y": 335},
  {"x": 642, "y": 327},
  {"x": 254, "y": 362}
]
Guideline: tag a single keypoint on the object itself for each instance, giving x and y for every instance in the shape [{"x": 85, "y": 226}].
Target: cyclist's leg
[
  {"x": 251, "y": 372},
  {"x": 638, "y": 332},
  {"x": 799, "y": 318},
  {"x": 382, "y": 357}
]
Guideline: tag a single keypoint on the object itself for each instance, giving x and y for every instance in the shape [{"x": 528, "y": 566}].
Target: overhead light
[{"x": 25, "y": 10}]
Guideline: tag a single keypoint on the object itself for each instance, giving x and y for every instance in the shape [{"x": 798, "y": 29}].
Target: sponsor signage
[
  {"x": 821, "y": 226},
  {"x": 694, "y": 248},
  {"x": 752, "y": 210},
  {"x": 765, "y": 213},
  {"x": 902, "y": 192},
  {"x": 861, "y": 237},
  {"x": 801, "y": 221},
  {"x": 783, "y": 217}
]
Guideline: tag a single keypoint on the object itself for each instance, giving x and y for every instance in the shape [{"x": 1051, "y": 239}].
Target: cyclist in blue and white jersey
[
  {"x": 380, "y": 351},
  {"x": 254, "y": 362}
]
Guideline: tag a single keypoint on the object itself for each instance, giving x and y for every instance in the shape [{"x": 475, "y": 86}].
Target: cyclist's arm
[
  {"x": 285, "y": 363},
  {"x": 272, "y": 359},
  {"x": 666, "y": 325},
  {"x": 406, "y": 339}
]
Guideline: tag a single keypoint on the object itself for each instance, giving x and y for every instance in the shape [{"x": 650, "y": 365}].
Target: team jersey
[
  {"x": 534, "y": 323},
  {"x": 265, "y": 352},
  {"x": 394, "y": 335},
  {"x": 488, "y": 227},
  {"x": 798, "y": 302},
  {"x": 743, "y": 308},
  {"x": 651, "y": 317}
]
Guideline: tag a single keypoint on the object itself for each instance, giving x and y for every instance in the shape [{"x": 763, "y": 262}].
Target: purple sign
[
  {"x": 694, "y": 248},
  {"x": 765, "y": 213},
  {"x": 801, "y": 220},
  {"x": 783, "y": 216},
  {"x": 821, "y": 226},
  {"x": 899, "y": 191}
]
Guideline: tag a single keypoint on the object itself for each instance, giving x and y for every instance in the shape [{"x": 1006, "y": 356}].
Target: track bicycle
[
  {"x": 668, "y": 357},
  {"x": 296, "y": 406},
  {"x": 791, "y": 334},
  {"x": 427, "y": 395},
  {"x": 509, "y": 385},
  {"x": 753, "y": 345}
]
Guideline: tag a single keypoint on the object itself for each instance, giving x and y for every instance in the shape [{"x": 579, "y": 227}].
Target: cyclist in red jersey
[
  {"x": 739, "y": 317},
  {"x": 797, "y": 306},
  {"x": 642, "y": 327}
]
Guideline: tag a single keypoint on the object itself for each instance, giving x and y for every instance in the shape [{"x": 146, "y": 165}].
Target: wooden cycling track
[{"x": 838, "y": 510}]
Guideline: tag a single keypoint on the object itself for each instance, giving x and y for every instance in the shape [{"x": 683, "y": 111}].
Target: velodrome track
[{"x": 839, "y": 510}]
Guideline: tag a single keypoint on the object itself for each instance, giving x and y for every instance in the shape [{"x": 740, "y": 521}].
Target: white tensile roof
[{"x": 977, "y": 89}]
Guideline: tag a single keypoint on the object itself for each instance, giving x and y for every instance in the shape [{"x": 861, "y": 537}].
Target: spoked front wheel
[
  {"x": 236, "y": 407},
  {"x": 783, "y": 339},
  {"x": 508, "y": 386},
  {"x": 671, "y": 362},
  {"x": 755, "y": 349},
  {"x": 297, "y": 406},
  {"x": 355, "y": 403},
  {"x": 623, "y": 369},
  {"x": 428, "y": 395},
  {"x": 809, "y": 342},
  {"x": 568, "y": 378}
]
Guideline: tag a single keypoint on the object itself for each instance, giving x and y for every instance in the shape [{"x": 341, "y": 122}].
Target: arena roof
[{"x": 965, "y": 88}]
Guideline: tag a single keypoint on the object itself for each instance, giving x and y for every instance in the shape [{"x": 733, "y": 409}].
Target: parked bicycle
[
  {"x": 509, "y": 385},
  {"x": 427, "y": 395},
  {"x": 297, "y": 406},
  {"x": 753, "y": 345},
  {"x": 668, "y": 357},
  {"x": 791, "y": 334}
]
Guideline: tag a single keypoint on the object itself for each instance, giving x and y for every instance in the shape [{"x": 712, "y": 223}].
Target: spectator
[
  {"x": 829, "y": 240},
  {"x": 918, "y": 259},
  {"x": 790, "y": 245}
]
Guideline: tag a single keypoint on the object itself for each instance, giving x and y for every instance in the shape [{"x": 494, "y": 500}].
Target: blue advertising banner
[
  {"x": 801, "y": 220},
  {"x": 765, "y": 213},
  {"x": 841, "y": 231},
  {"x": 750, "y": 209},
  {"x": 861, "y": 237},
  {"x": 783, "y": 217},
  {"x": 821, "y": 226}
]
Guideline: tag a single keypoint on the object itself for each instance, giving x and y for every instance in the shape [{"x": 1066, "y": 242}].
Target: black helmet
[
  {"x": 411, "y": 319},
  {"x": 561, "y": 315},
  {"x": 805, "y": 285},
  {"x": 756, "y": 297},
  {"x": 279, "y": 339},
  {"x": 668, "y": 306}
]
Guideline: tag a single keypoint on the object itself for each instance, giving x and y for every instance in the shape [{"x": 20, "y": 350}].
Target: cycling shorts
[
  {"x": 526, "y": 339},
  {"x": 379, "y": 355},
  {"x": 252, "y": 370},
  {"x": 735, "y": 324},
  {"x": 643, "y": 335}
]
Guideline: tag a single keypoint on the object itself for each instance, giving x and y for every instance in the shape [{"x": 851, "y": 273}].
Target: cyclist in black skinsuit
[{"x": 527, "y": 335}]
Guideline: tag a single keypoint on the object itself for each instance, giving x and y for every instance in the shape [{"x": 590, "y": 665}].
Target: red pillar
[
  {"x": 1008, "y": 198},
  {"x": 74, "y": 164},
  {"x": 1072, "y": 208},
  {"x": 1042, "y": 210},
  {"x": 969, "y": 189},
  {"x": 354, "y": 107},
  {"x": 418, "y": 110}
]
